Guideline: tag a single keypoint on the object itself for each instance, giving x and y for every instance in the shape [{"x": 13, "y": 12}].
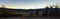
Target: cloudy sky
[{"x": 27, "y": 4}]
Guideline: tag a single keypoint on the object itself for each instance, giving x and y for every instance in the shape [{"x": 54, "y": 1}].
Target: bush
[{"x": 1, "y": 15}]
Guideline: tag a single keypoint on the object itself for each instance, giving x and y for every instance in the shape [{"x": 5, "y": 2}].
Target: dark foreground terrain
[{"x": 42, "y": 17}]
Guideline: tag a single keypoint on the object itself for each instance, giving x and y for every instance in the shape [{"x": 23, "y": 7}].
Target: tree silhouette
[
  {"x": 4, "y": 11},
  {"x": 51, "y": 11},
  {"x": 56, "y": 9},
  {"x": 31, "y": 14},
  {"x": 37, "y": 13},
  {"x": 46, "y": 11}
]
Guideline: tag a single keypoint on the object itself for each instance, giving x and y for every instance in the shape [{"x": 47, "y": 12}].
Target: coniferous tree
[
  {"x": 31, "y": 14},
  {"x": 56, "y": 9},
  {"x": 37, "y": 13},
  {"x": 51, "y": 11},
  {"x": 4, "y": 10},
  {"x": 46, "y": 11}
]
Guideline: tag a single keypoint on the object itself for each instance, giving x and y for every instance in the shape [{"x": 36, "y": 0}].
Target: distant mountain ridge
[{"x": 30, "y": 10}]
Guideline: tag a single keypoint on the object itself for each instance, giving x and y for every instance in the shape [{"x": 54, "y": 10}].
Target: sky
[{"x": 27, "y": 4}]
